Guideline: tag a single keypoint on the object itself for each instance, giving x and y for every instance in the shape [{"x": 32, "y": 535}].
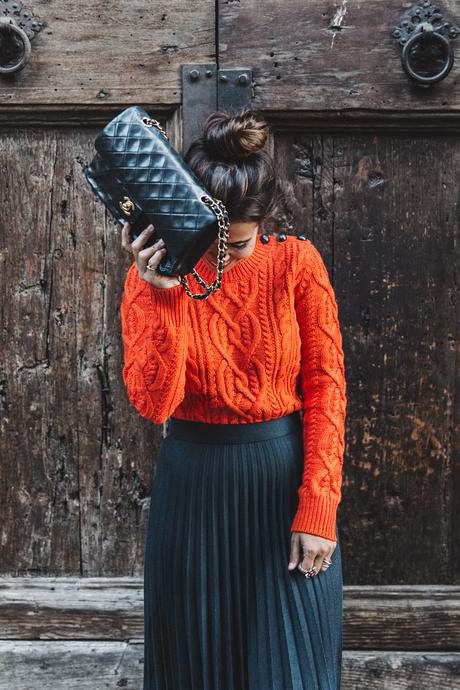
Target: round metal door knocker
[
  {"x": 425, "y": 35},
  {"x": 18, "y": 26}
]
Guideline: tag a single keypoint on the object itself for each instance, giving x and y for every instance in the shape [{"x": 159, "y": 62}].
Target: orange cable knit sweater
[{"x": 267, "y": 343}]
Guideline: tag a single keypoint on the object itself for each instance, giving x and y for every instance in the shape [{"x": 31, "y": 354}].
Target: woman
[{"x": 242, "y": 573}]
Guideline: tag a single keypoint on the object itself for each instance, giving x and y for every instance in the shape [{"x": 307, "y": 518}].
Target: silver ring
[
  {"x": 150, "y": 268},
  {"x": 326, "y": 560},
  {"x": 311, "y": 573}
]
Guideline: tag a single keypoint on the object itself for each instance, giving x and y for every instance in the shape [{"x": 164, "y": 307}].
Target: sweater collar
[{"x": 240, "y": 271}]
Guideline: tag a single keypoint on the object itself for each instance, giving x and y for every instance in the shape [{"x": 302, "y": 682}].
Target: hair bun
[{"x": 233, "y": 137}]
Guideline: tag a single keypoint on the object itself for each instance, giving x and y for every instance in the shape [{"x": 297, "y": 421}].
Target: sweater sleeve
[
  {"x": 323, "y": 388},
  {"x": 154, "y": 335}
]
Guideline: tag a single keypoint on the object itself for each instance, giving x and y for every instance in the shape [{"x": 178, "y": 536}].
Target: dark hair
[{"x": 231, "y": 161}]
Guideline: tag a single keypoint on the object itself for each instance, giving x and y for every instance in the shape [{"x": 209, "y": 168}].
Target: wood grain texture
[
  {"x": 77, "y": 460},
  {"x": 68, "y": 665},
  {"x": 400, "y": 671},
  {"x": 384, "y": 214},
  {"x": 407, "y": 618},
  {"x": 100, "y": 665},
  {"x": 93, "y": 53},
  {"x": 323, "y": 56}
]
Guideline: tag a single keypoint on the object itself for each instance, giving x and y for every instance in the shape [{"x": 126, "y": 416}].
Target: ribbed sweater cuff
[
  {"x": 316, "y": 515},
  {"x": 170, "y": 304}
]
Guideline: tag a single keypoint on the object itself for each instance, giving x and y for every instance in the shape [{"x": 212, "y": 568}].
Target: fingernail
[
  {"x": 149, "y": 228},
  {"x": 291, "y": 566}
]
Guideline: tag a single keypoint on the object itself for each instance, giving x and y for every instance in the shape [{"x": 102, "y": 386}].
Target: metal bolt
[
  {"x": 223, "y": 77},
  {"x": 208, "y": 72},
  {"x": 243, "y": 79},
  {"x": 194, "y": 74}
]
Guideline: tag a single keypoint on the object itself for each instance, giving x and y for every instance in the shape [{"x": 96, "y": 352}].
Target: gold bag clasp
[{"x": 126, "y": 205}]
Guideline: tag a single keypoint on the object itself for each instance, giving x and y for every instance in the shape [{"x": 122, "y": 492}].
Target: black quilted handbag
[{"x": 141, "y": 178}]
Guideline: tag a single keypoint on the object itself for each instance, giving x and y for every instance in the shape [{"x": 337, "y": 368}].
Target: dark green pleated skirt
[{"x": 222, "y": 610}]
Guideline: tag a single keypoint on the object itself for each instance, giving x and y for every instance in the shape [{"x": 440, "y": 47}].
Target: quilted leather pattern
[{"x": 137, "y": 161}]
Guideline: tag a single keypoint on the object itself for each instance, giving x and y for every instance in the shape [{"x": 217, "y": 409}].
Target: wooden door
[{"x": 368, "y": 160}]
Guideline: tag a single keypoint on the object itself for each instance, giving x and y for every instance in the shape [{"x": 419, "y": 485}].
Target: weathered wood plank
[
  {"x": 384, "y": 214},
  {"x": 93, "y": 53},
  {"x": 405, "y": 617},
  {"x": 388, "y": 236},
  {"x": 396, "y": 256},
  {"x": 361, "y": 121},
  {"x": 311, "y": 66},
  {"x": 400, "y": 671},
  {"x": 39, "y": 489},
  {"x": 77, "y": 459},
  {"x": 71, "y": 607},
  {"x": 95, "y": 665},
  {"x": 102, "y": 665},
  {"x": 323, "y": 56},
  {"x": 402, "y": 617}
]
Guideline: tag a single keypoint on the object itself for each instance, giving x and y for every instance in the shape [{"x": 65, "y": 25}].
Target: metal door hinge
[{"x": 206, "y": 89}]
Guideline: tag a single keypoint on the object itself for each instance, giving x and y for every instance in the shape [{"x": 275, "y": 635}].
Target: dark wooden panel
[
  {"x": 93, "y": 53},
  {"x": 323, "y": 56},
  {"x": 77, "y": 459},
  {"x": 102, "y": 665},
  {"x": 400, "y": 671},
  {"x": 62, "y": 665},
  {"x": 395, "y": 255},
  {"x": 388, "y": 236},
  {"x": 383, "y": 212},
  {"x": 408, "y": 618},
  {"x": 404, "y": 617}
]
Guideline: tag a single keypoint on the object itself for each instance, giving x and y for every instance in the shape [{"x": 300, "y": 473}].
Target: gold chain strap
[
  {"x": 223, "y": 224},
  {"x": 150, "y": 122}
]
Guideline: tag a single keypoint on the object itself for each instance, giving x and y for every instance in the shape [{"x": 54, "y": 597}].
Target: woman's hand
[
  {"x": 310, "y": 551},
  {"x": 150, "y": 255}
]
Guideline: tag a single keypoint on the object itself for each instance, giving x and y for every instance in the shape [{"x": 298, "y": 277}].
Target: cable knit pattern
[{"x": 266, "y": 344}]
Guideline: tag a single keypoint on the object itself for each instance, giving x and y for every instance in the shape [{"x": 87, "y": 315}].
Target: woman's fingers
[
  {"x": 319, "y": 561},
  {"x": 135, "y": 246},
  {"x": 295, "y": 550},
  {"x": 327, "y": 560},
  {"x": 138, "y": 243},
  {"x": 308, "y": 558},
  {"x": 151, "y": 255},
  {"x": 125, "y": 237},
  {"x": 310, "y": 553}
]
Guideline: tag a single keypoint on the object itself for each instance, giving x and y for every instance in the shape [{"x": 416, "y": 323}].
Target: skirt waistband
[{"x": 203, "y": 432}]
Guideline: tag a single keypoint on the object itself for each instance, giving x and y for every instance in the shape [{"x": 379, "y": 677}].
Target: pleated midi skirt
[{"x": 221, "y": 609}]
